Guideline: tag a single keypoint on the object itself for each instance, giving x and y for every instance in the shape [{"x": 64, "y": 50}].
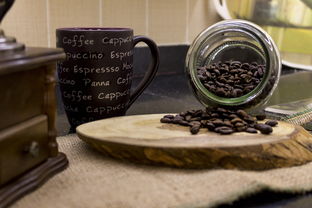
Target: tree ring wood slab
[{"x": 143, "y": 139}]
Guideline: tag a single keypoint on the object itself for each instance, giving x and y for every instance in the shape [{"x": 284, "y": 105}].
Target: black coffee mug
[{"x": 95, "y": 79}]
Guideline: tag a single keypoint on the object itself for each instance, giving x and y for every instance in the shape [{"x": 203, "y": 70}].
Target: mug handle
[{"x": 152, "y": 68}]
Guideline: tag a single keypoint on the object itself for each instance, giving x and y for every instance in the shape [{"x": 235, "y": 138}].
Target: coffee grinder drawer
[{"x": 22, "y": 147}]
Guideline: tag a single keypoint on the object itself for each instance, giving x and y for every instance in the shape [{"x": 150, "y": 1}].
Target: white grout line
[
  {"x": 187, "y": 21},
  {"x": 146, "y": 18},
  {"x": 101, "y": 13},
  {"x": 48, "y": 23}
]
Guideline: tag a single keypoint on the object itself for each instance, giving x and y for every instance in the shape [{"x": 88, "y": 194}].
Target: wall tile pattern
[{"x": 168, "y": 22}]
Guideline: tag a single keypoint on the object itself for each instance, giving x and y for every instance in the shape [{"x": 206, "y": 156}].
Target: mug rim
[{"x": 95, "y": 29}]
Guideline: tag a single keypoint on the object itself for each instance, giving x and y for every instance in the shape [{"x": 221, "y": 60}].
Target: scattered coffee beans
[
  {"x": 251, "y": 130},
  {"x": 271, "y": 123},
  {"x": 232, "y": 78},
  {"x": 220, "y": 120},
  {"x": 260, "y": 117},
  {"x": 264, "y": 128}
]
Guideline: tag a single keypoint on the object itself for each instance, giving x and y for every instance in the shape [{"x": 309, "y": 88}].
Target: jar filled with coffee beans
[{"x": 233, "y": 63}]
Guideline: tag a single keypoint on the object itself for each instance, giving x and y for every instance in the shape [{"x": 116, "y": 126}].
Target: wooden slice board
[{"x": 143, "y": 139}]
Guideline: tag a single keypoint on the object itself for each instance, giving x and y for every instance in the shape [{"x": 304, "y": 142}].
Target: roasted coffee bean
[
  {"x": 224, "y": 130},
  {"x": 197, "y": 113},
  {"x": 243, "y": 76},
  {"x": 208, "y": 74},
  {"x": 249, "y": 119},
  {"x": 182, "y": 114},
  {"x": 260, "y": 72},
  {"x": 250, "y": 73},
  {"x": 214, "y": 115},
  {"x": 205, "y": 115},
  {"x": 251, "y": 130},
  {"x": 228, "y": 123},
  {"x": 241, "y": 128},
  {"x": 232, "y": 116},
  {"x": 271, "y": 123},
  {"x": 221, "y": 110},
  {"x": 194, "y": 129},
  {"x": 195, "y": 123},
  {"x": 210, "y": 126},
  {"x": 254, "y": 63},
  {"x": 177, "y": 119},
  {"x": 204, "y": 122},
  {"x": 231, "y": 111},
  {"x": 252, "y": 125},
  {"x": 234, "y": 71},
  {"x": 238, "y": 92},
  {"x": 221, "y": 92},
  {"x": 216, "y": 71},
  {"x": 245, "y": 66},
  {"x": 202, "y": 78},
  {"x": 191, "y": 112},
  {"x": 230, "y": 82},
  {"x": 248, "y": 88},
  {"x": 188, "y": 117},
  {"x": 242, "y": 113},
  {"x": 183, "y": 123},
  {"x": 238, "y": 87},
  {"x": 169, "y": 116},
  {"x": 260, "y": 117},
  {"x": 235, "y": 120},
  {"x": 264, "y": 129},
  {"x": 195, "y": 119},
  {"x": 165, "y": 120},
  {"x": 224, "y": 115},
  {"x": 239, "y": 124},
  {"x": 218, "y": 122}
]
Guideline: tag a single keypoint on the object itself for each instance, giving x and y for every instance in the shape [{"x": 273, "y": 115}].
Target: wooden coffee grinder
[{"x": 28, "y": 149}]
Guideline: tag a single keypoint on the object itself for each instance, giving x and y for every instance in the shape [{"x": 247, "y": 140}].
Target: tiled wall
[{"x": 33, "y": 22}]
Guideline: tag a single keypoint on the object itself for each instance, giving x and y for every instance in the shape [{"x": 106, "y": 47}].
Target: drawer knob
[{"x": 33, "y": 149}]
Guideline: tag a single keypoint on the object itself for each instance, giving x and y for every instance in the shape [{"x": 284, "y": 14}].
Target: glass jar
[{"x": 228, "y": 41}]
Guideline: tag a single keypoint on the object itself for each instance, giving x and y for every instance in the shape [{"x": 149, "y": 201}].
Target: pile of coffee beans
[
  {"x": 220, "y": 120},
  {"x": 231, "y": 79}
]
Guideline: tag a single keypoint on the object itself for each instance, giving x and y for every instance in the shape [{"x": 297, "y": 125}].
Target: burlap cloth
[{"x": 93, "y": 180}]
